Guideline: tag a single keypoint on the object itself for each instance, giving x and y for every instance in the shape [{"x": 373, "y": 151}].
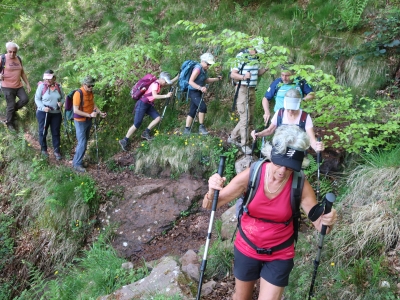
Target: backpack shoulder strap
[
  {"x": 280, "y": 117},
  {"x": 3, "y": 63},
  {"x": 20, "y": 60},
  {"x": 295, "y": 200},
  {"x": 303, "y": 119},
  {"x": 81, "y": 94},
  {"x": 45, "y": 88},
  {"x": 254, "y": 181}
]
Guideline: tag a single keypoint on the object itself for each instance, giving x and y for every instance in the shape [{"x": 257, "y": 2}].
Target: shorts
[{"x": 275, "y": 272}]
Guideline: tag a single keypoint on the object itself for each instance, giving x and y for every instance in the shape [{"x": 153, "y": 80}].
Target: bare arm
[
  {"x": 233, "y": 190},
  {"x": 157, "y": 96},
  {"x": 25, "y": 79},
  {"x": 267, "y": 114},
  {"x": 193, "y": 77},
  {"x": 270, "y": 130},
  {"x": 317, "y": 146},
  {"x": 309, "y": 96}
]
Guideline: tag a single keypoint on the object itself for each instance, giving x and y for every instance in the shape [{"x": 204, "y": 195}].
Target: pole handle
[
  {"x": 220, "y": 172},
  {"x": 330, "y": 198},
  {"x": 318, "y": 152}
]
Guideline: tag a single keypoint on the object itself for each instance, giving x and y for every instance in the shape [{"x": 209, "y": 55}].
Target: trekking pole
[
  {"x": 266, "y": 125},
  {"x": 247, "y": 111},
  {"x": 171, "y": 90},
  {"x": 44, "y": 127},
  {"x": 198, "y": 108},
  {"x": 221, "y": 168},
  {"x": 330, "y": 197},
  {"x": 97, "y": 146},
  {"x": 253, "y": 146},
  {"x": 318, "y": 164}
]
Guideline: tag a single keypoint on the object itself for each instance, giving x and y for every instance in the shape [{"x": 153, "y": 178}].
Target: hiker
[
  {"x": 280, "y": 86},
  {"x": 49, "y": 99},
  {"x": 83, "y": 115},
  {"x": 291, "y": 114},
  {"x": 265, "y": 223},
  {"x": 11, "y": 72},
  {"x": 246, "y": 73},
  {"x": 197, "y": 89},
  {"x": 145, "y": 106}
]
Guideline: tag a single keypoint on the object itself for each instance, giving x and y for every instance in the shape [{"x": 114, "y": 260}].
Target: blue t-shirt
[{"x": 278, "y": 90}]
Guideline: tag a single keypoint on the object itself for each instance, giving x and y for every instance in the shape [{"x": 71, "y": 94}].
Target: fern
[{"x": 351, "y": 11}]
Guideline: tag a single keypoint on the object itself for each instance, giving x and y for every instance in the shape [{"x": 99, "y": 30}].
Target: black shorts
[{"x": 275, "y": 272}]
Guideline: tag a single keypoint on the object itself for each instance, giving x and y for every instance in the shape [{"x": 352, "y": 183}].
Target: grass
[{"x": 97, "y": 273}]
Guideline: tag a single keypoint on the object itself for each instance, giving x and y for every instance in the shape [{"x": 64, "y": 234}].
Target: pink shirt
[
  {"x": 12, "y": 73},
  {"x": 266, "y": 234},
  {"x": 155, "y": 86}
]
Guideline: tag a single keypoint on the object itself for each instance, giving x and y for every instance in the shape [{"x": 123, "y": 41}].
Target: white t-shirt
[{"x": 285, "y": 121}]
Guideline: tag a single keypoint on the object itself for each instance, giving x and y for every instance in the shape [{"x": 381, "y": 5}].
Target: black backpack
[
  {"x": 295, "y": 199},
  {"x": 302, "y": 122}
]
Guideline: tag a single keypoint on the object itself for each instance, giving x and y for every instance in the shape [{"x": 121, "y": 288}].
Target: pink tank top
[{"x": 266, "y": 234}]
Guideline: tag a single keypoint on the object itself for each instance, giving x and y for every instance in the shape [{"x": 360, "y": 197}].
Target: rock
[
  {"x": 385, "y": 284},
  {"x": 243, "y": 163},
  {"x": 229, "y": 223},
  {"x": 190, "y": 257},
  {"x": 208, "y": 288},
  {"x": 150, "y": 209},
  {"x": 192, "y": 270},
  {"x": 166, "y": 279},
  {"x": 127, "y": 265}
]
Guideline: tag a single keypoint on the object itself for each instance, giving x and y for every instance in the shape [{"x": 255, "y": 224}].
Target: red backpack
[
  {"x": 141, "y": 86},
  {"x": 46, "y": 87}
]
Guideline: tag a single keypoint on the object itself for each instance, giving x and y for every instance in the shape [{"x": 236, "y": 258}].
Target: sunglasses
[
  {"x": 90, "y": 86},
  {"x": 279, "y": 166},
  {"x": 11, "y": 51}
]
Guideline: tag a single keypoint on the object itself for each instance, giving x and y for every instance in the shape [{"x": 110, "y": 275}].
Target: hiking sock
[
  {"x": 147, "y": 130},
  {"x": 188, "y": 128},
  {"x": 126, "y": 139}
]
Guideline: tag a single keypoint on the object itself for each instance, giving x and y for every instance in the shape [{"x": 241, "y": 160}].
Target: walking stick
[
  {"x": 330, "y": 197},
  {"x": 221, "y": 168},
  {"x": 171, "y": 90},
  {"x": 266, "y": 125},
  {"x": 197, "y": 111},
  {"x": 247, "y": 111},
  {"x": 97, "y": 146},
  {"x": 44, "y": 127},
  {"x": 318, "y": 164}
]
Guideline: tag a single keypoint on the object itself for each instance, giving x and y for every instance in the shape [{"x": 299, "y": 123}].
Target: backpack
[
  {"x": 69, "y": 106},
  {"x": 141, "y": 86},
  {"x": 295, "y": 199},
  {"x": 3, "y": 62},
  {"x": 302, "y": 122},
  {"x": 185, "y": 73},
  {"x": 46, "y": 87}
]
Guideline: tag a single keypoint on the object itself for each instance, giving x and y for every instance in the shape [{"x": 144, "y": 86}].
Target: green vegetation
[
  {"x": 97, "y": 273},
  {"x": 348, "y": 50}
]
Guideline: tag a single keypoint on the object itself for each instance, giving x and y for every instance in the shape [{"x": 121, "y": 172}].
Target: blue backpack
[{"x": 184, "y": 74}]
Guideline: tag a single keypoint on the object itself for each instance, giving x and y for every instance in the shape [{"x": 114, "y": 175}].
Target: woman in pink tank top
[{"x": 264, "y": 243}]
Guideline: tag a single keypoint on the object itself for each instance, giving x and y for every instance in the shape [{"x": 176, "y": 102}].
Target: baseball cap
[
  {"x": 166, "y": 76},
  {"x": 292, "y": 159},
  {"x": 208, "y": 58}
]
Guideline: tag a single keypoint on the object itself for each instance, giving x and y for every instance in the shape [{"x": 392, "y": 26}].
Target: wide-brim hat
[{"x": 292, "y": 159}]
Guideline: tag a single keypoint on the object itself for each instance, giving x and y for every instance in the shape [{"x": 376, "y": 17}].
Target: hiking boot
[
  {"x": 146, "y": 135},
  {"x": 203, "y": 130},
  {"x": 11, "y": 127},
  {"x": 45, "y": 154},
  {"x": 186, "y": 131},
  {"x": 57, "y": 155},
  {"x": 233, "y": 141},
  {"x": 124, "y": 144},
  {"x": 246, "y": 150},
  {"x": 80, "y": 169}
]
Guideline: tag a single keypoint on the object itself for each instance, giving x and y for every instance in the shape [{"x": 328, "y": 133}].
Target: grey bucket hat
[{"x": 88, "y": 80}]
